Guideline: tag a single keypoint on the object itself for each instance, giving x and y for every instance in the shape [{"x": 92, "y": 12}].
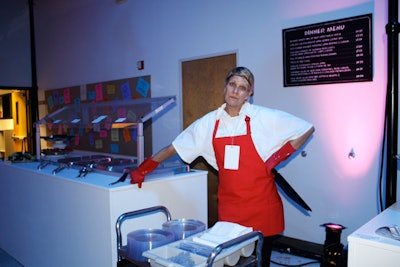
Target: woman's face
[{"x": 236, "y": 92}]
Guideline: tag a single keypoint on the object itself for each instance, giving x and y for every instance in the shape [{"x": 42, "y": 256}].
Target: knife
[{"x": 289, "y": 191}]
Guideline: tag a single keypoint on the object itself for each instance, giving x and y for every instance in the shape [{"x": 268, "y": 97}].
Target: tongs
[
  {"x": 61, "y": 167},
  {"x": 43, "y": 163},
  {"x": 65, "y": 163},
  {"x": 123, "y": 177},
  {"x": 86, "y": 169},
  {"x": 91, "y": 165}
]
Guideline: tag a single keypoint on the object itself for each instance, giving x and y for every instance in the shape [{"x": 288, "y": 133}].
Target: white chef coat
[{"x": 270, "y": 130}]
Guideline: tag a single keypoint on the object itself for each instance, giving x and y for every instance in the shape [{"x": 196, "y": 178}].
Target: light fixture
[
  {"x": 99, "y": 119},
  {"x": 140, "y": 64},
  {"x": 352, "y": 154},
  {"x": 333, "y": 249}
]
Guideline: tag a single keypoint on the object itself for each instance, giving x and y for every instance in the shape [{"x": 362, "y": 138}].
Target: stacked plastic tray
[{"x": 186, "y": 252}]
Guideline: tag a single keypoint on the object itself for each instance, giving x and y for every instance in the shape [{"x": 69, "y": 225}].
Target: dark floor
[
  {"x": 279, "y": 259},
  {"x": 286, "y": 259},
  {"x": 7, "y": 261}
]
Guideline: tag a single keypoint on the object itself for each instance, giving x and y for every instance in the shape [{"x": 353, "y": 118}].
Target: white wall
[{"x": 89, "y": 41}]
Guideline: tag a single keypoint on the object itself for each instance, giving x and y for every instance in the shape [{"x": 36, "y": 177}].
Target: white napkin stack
[{"x": 220, "y": 233}]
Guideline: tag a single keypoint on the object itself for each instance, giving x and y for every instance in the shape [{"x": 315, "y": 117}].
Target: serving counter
[
  {"x": 369, "y": 247},
  {"x": 65, "y": 220}
]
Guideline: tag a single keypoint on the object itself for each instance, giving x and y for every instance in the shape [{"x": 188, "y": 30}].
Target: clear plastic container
[
  {"x": 146, "y": 239},
  {"x": 183, "y": 228}
]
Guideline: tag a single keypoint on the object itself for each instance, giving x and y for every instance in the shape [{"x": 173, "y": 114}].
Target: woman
[{"x": 244, "y": 142}]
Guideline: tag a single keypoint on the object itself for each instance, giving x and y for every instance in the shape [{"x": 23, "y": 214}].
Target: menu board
[{"x": 331, "y": 52}]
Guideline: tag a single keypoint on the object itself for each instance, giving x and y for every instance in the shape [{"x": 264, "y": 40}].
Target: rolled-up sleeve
[{"x": 274, "y": 128}]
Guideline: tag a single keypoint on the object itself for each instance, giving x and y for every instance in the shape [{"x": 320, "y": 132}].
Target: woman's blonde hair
[{"x": 243, "y": 72}]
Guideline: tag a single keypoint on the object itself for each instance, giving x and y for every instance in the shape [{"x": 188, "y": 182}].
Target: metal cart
[{"x": 124, "y": 261}]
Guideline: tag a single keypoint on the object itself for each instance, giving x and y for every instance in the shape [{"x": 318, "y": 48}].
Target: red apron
[{"x": 247, "y": 196}]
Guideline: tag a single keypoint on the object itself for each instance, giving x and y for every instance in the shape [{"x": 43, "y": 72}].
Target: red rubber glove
[
  {"x": 147, "y": 166},
  {"x": 283, "y": 153}
]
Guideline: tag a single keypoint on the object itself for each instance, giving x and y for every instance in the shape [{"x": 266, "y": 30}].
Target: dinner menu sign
[{"x": 331, "y": 52}]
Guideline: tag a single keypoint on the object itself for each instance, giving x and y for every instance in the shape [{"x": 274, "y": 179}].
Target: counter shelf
[{"x": 79, "y": 115}]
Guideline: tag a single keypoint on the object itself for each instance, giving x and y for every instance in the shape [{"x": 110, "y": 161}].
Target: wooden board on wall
[{"x": 91, "y": 139}]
